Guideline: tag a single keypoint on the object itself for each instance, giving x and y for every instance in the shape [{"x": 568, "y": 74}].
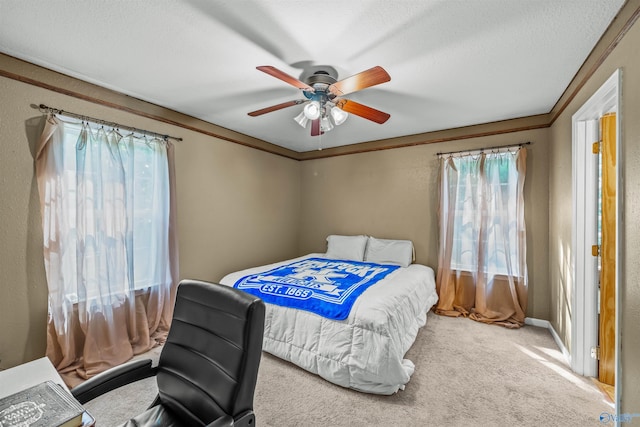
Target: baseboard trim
[{"x": 540, "y": 323}]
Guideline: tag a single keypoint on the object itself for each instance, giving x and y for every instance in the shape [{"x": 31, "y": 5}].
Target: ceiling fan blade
[
  {"x": 277, "y": 107},
  {"x": 371, "y": 77},
  {"x": 315, "y": 127},
  {"x": 362, "y": 110},
  {"x": 273, "y": 71}
]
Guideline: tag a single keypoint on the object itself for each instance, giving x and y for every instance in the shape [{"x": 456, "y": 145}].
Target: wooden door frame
[{"x": 584, "y": 325}]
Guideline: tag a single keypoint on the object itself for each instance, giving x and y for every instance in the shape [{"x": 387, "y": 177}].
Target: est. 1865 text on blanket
[{"x": 327, "y": 287}]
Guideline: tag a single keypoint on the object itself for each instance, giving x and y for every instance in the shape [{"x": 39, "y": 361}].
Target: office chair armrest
[
  {"x": 225, "y": 421},
  {"x": 113, "y": 378}
]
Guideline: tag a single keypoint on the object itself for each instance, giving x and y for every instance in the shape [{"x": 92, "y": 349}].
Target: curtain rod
[
  {"x": 481, "y": 150},
  {"x": 43, "y": 108}
]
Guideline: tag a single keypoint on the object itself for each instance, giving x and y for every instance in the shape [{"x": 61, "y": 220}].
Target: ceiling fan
[{"x": 325, "y": 105}]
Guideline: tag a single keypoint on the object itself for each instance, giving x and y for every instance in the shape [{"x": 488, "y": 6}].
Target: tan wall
[
  {"x": 625, "y": 56},
  {"x": 23, "y": 291},
  {"x": 237, "y": 207},
  {"x": 560, "y": 226},
  {"x": 393, "y": 194}
]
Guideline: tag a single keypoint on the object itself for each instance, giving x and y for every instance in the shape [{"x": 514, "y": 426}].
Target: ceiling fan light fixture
[
  {"x": 301, "y": 119},
  {"x": 338, "y": 115},
  {"x": 325, "y": 124},
  {"x": 312, "y": 110}
]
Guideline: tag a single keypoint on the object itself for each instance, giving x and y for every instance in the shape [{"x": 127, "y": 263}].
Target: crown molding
[{"x": 455, "y": 134}]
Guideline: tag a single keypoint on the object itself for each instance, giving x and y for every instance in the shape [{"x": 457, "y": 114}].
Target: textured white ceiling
[{"x": 452, "y": 62}]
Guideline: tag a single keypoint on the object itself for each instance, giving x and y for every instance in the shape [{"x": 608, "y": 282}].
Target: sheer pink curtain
[
  {"x": 108, "y": 217},
  {"x": 482, "y": 270}
]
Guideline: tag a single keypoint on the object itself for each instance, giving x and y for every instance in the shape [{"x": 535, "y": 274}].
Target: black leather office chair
[{"x": 208, "y": 367}]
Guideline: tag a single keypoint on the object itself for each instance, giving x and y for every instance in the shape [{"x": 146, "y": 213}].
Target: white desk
[
  {"x": 29, "y": 374},
  {"x": 19, "y": 377}
]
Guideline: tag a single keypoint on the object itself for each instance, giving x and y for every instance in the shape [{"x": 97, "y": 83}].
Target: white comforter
[{"x": 364, "y": 352}]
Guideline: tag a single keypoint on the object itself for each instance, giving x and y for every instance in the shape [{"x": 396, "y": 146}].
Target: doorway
[{"x": 586, "y": 341}]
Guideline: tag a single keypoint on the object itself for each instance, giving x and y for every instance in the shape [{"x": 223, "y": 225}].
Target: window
[
  {"x": 485, "y": 223},
  {"x": 116, "y": 209}
]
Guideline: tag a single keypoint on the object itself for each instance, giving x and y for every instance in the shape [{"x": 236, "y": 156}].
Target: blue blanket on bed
[{"x": 327, "y": 287}]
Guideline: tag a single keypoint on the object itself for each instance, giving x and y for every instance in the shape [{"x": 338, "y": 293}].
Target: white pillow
[
  {"x": 346, "y": 247},
  {"x": 385, "y": 251}
]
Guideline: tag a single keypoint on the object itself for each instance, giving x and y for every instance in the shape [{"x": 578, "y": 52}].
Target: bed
[{"x": 364, "y": 351}]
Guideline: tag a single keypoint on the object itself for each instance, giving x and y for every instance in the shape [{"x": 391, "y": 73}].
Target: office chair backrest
[{"x": 209, "y": 364}]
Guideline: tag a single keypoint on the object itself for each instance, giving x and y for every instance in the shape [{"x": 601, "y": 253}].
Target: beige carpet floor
[{"x": 467, "y": 373}]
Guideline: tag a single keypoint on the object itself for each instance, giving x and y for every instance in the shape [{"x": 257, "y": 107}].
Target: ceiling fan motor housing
[{"x": 320, "y": 82}]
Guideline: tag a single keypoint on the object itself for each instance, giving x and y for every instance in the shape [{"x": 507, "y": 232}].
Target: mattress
[{"x": 364, "y": 352}]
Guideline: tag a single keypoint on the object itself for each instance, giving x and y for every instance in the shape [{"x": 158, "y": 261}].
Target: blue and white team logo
[
  {"x": 302, "y": 283},
  {"x": 313, "y": 283}
]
